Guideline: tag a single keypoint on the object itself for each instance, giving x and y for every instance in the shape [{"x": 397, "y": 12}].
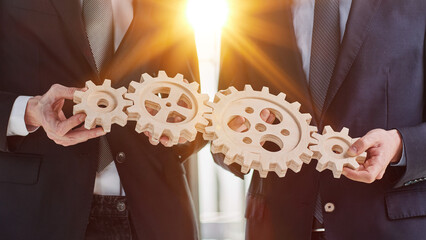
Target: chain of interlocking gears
[
  {"x": 285, "y": 144},
  {"x": 172, "y": 107},
  {"x": 161, "y": 105}
]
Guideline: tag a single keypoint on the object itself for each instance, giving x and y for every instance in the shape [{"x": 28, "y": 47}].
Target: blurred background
[{"x": 219, "y": 196}]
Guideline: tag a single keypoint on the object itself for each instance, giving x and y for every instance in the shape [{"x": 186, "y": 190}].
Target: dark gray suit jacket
[{"x": 46, "y": 189}]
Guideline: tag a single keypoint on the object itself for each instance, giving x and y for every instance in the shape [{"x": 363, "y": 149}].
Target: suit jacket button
[
  {"x": 329, "y": 207},
  {"x": 120, "y": 157},
  {"x": 121, "y": 206}
]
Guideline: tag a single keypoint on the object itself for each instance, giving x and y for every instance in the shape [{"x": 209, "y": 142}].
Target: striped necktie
[
  {"x": 324, "y": 52},
  {"x": 98, "y": 19}
]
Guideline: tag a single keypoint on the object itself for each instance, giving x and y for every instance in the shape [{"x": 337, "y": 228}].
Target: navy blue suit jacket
[{"x": 378, "y": 82}]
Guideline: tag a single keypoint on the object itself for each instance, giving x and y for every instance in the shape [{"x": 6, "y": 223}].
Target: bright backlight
[{"x": 207, "y": 15}]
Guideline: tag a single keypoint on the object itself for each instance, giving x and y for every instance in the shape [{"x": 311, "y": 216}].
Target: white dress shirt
[
  {"x": 107, "y": 182},
  {"x": 303, "y": 21}
]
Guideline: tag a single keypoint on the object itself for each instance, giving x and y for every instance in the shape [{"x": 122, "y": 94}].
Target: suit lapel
[
  {"x": 296, "y": 86},
  {"x": 357, "y": 28},
  {"x": 71, "y": 14},
  {"x": 132, "y": 52},
  {"x": 279, "y": 61}
]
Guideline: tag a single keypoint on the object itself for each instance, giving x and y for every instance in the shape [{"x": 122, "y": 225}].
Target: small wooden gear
[
  {"x": 331, "y": 151},
  {"x": 159, "y": 101},
  {"x": 292, "y": 135},
  {"x": 102, "y": 104}
]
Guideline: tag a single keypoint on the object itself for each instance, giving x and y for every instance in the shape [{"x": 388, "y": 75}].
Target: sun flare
[{"x": 207, "y": 15}]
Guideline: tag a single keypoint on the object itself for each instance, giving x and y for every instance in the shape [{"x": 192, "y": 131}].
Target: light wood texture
[
  {"x": 160, "y": 101},
  {"x": 291, "y": 136},
  {"x": 331, "y": 151},
  {"x": 102, "y": 104}
]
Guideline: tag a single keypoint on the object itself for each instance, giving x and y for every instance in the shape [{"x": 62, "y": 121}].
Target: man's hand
[
  {"x": 383, "y": 147},
  {"x": 46, "y": 111}
]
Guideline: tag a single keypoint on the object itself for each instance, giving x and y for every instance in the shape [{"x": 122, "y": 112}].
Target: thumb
[{"x": 360, "y": 146}]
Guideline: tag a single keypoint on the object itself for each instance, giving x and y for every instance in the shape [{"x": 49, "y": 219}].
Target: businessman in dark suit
[
  {"x": 49, "y": 191},
  {"x": 358, "y": 64}
]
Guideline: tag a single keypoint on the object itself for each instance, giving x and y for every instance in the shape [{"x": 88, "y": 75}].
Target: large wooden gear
[
  {"x": 331, "y": 151},
  {"x": 102, "y": 104},
  {"x": 157, "y": 101},
  {"x": 292, "y": 134}
]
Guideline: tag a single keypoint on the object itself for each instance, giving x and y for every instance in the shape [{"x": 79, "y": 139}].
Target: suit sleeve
[
  {"x": 414, "y": 139},
  {"x": 7, "y": 100}
]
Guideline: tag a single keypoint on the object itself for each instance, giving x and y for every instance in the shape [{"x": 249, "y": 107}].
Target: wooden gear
[
  {"x": 331, "y": 151},
  {"x": 159, "y": 100},
  {"x": 102, "y": 104},
  {"x": 292, "y": 135}
]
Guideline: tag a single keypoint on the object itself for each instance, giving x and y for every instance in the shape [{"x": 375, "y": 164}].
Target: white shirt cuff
[{"x": 16, "y": 125}]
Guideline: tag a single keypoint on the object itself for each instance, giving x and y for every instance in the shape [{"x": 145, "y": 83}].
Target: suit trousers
[{"x": 109, "y": 219}]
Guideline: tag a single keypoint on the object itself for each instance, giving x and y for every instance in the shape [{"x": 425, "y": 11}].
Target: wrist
[
  {"x": 396, "y": 136},
  {"x": 31, "y": 116}
]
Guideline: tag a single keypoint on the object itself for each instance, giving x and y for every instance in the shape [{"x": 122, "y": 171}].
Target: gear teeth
[
  {"x": 194, "y": 86},
  {"x": 282, "y": 96},
  {"x": 316, "y": 136},
  {"x": 296, "y": 106},
  {"x": 178, "y": 77},
  {"x": 107, "y": 83},
  {"x": 232, "y": 89},
  {"x": 208, "y": 116},
  {"x": 154, "y": 141},
  {"x": 162, "y": 74},
  {"x": 265, "y": 90},
  {"x": 345, "y": 131},
  {"x": 121, "y": 90},
  {"x": 295, "y": 165},
  {"x": 146, "y": 78},
  {"x": 245, "y": 169},
  {"x": 90, "y": 84},
  {"x": 204, "y": 98},
  {"x": 306, "y": 156},
  {"x": 281, "y": 168},
  {"x": 211, "y": 105},
  {"x": 106, "y": 125},
  {"x": 248, "y": 88},
  {"x": 128, "y": 103},
  {"x": 121, "y": 119},
  {"x": 89, "y": 123},
  {"x": 313, "y": 129},
  {"x": 78, "y": 109},
  {"x": 263, "y": 174},
  {"x": 78, "y": 96},
  {"x": 157, "y": 132},
  {"x": 307, "y": 117},
  {"x": 327, "y": 129},
  {"x": 218, "y": 96},
  {"x": 133, "y": 86}
]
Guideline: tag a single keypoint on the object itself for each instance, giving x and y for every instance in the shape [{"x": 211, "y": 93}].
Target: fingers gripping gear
[
  {"x": 331, "y": 151},
  {"x": 167, "y": 106},
  {"x": 102, "y": 104},
  {"x": 290, "y": 133}
]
